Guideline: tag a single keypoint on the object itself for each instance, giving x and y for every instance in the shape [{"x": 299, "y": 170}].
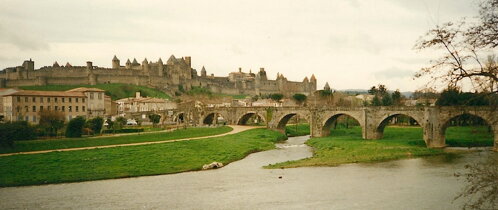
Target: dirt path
[{"x": 236, "y": 129}]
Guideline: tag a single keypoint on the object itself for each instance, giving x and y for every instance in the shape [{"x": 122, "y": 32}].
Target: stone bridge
[{"x": 433, "y": 120}]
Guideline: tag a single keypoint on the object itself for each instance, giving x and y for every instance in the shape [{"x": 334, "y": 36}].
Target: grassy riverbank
[
  {"x": 347, "y": 145},
  {"x": 38, "y": 145},
  {"x": 132, "y": 161}
]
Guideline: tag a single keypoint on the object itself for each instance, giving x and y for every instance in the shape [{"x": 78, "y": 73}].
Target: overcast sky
[{"x": 348, "y": 43}]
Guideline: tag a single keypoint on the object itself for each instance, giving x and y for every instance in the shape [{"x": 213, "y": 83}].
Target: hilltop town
[{"x": 174, "y": 75}]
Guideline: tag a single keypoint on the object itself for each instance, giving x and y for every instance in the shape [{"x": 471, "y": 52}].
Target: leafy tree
[
  {"x": 154, "y": 118},
  {"x": 396, "y": 97},
  {"x": 387, "y": 100},
  {"x": 276, "y": 97},
  {"x": 75, "y": 127},
  {"x": 299, "y": 98},
  {"x": 376, "y": 101},
  {"x": 462, "y": 44},
  {"x": 119, "y": 123},
  {"x": 95, "y": 124},
  {"x": 325, "y": 93},
  {"x": 373, "y": 90},
  {"x": 15, "y": 131},
  {"x": 110, "y": 123},
  {"x": 52, "y": 121}
]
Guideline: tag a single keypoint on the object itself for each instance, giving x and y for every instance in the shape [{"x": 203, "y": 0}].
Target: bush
[
  {"x": 95, "y": 124},
  {"x": 125, "y": 130},
  {"x": 75, "y": 127},
  {"x": 15, "y": 131}
]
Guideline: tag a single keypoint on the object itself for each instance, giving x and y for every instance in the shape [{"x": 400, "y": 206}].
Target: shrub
[
  {"x": 75, "y": 127},
  {"x": 95, "y": 124},
  {"x": 15, "y": 131}
]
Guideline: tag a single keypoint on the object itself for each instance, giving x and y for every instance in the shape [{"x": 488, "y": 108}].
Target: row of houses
[{"x": 26, "y": 105}]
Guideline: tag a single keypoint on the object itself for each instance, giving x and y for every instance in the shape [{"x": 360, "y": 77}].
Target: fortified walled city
[{"x": 175, "y": 74}]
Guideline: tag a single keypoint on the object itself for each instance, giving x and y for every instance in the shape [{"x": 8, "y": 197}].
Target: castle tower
[
  {"x": 115, "y": 62},
  {"x": 306, "y": 84},
  {"x": 29, "y": 66},
  {"x": 327, "y": 86},
  {"x": 188, "y": 61},
  {"x": 262, "y": 74},
  {"x": 56, "y": 65},
  {"x": 203, "y": 72},
  {"x": 160, "y": 67},
  {"x": 313, "y": 83},
  {"x": 135, "y": 62},
  {"x": 128, "y": 64},
  {"x": 145, "y": 66}
]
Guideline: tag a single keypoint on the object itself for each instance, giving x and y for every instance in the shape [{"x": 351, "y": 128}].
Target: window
[
  {"x": 41, "y": 99},
  {"x": 18, "y": 109},
  {"x": 69, "y": 108},
  {"x": 34, "y": 99},
  {"x": 83, "y": 108},
  {"x": 34, "y": 118},
  {"x": 77, "y": 109},
  {"x": 69, "y": 100},
  {"x": 91, "y": 95},
  {"x": 100, "y": 95},
  {"x": 26, "y": 118},
  {"x": 76, "y": 100},
  {"x": 18, "y": 98},
  {"x": 26, "y": 109},
  {"x": 48, "y": 99},
  {"x": 63, "y": 100},
  {"x": 25, "y": 99},
  {"x": 48, "y": 108},
  {"x": 55, "y": 99},
  {"x": 63, "y": 108},
  {"x": 41, "y": 108},
  {"x": 34, "y": 108},
  {"x": 56, "y": 108},
  {"x": 83, "y": 100}
]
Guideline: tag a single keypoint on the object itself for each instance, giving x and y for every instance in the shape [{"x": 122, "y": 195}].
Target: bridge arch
[
  {"x": 485, "y": 118},
  {"x": 381, "y": 125},
  {"x": 244, "y": 118},
  {"x": 212, "y": 118},
  {"x": 331, "y": 119},
  {"x": 285, "y": 118},
  {"x": 180, "y": 118}
]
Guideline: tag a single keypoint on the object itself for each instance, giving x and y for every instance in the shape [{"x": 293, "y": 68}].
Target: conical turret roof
[
  {"x": 56, "y": 64},
  {"x": 305, "y": 79},
  {"x": 160, "y": 61},
  {"x": 313, "y": 78},
  {"x": 135, "y": 62},
  {"x": 128, "y": 61},
  {"x": 115, "y": 58},
  {"x": 327, "y": 86}
]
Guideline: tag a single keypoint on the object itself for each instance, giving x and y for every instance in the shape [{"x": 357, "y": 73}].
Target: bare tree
[
  {"x": 482, "y": 189},
  {"x": 463, "y": 45}
]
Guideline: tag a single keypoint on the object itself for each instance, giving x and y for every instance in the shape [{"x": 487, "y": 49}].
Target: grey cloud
[{"x": 23, "y": 40}]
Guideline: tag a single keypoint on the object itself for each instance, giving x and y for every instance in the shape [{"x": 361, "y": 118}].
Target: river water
[{"x": 420, "y": 183}]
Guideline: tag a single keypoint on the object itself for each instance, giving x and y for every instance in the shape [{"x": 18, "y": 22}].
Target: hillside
[{"x": 116, "y": 91}]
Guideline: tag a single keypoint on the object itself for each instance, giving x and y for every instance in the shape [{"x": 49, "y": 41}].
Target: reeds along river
[{"x": 421, "y": 183}]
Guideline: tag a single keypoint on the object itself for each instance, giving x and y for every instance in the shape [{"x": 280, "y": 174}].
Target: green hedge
[{"x": 125, "y": 130}]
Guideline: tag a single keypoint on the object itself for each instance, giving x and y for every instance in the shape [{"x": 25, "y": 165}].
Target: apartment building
[{"x": 27, "y": 104}]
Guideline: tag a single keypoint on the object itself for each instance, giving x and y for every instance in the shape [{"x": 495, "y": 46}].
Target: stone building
[
  {"x": 144, "y": 104},
  {"x": 27, "y": 104},
  {"x": 176, "y": 74}
]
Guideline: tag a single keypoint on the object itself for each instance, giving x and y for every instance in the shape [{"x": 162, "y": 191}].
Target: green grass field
[
  {"x": 165, "y": 158},
  {"x": 37, "y": 145},
  {"x": 116, "y": 91},
  {"x": 347, "y": 145}
]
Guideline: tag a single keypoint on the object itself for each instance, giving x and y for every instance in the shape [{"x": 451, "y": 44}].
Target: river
[{"x": 419, "y": 183}]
